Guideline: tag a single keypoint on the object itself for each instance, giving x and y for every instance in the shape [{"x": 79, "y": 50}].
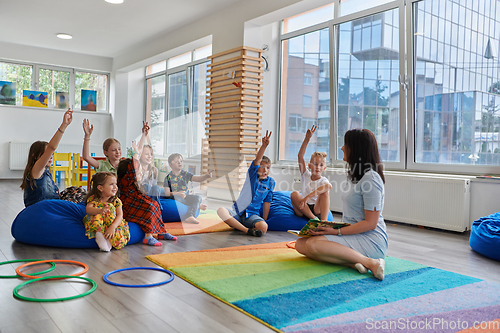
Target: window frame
[
  {"x": 189, "y": 68},
  {"x": 35, "y": 82},
  {"x": 333, "y": 26},
  {"x": 411, "y": 112}
]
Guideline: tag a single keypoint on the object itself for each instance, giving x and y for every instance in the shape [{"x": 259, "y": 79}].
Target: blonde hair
[
  {"x": 108, "y": 142},
  {"x": 150, "y": 172},
  {"x": 320, "y": 154}
]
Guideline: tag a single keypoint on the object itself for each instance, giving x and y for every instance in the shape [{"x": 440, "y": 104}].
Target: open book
[{"x": 313, "y": 224}]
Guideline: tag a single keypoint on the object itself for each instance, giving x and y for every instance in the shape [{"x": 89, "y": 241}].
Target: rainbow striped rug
[
  {"x": 288, "y": 292},
  {"x": 209, "y": 222}
]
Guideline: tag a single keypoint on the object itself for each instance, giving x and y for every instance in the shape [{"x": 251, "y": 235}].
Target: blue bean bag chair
[
  {"x": 485, "y": 236},
  {"x": 281, "y": 215},
  {"x": 59, "y": 223},
  {"x": 173, "y": 211}
]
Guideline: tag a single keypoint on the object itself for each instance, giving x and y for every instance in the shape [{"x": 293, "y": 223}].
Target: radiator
[
  {"x": 18, "y": 152},
  {"x": 432, "y": 201}
]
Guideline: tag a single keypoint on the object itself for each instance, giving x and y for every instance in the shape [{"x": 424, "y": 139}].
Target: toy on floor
[
  {"x": 106, "y": 276},
  {"x": 59, "y": 277}
]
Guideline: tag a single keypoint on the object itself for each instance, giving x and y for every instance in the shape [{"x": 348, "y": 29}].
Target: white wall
[
  {"x": 32, "y": 54},
  {"x": 25, "y": 124}
]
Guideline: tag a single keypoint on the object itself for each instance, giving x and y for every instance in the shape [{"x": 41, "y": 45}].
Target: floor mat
[
  {"x": 288, "y": 292},
  {"x": 209, "y": 222}
]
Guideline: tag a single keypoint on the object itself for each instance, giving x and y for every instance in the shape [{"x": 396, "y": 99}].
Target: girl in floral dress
[{"x": 104, "y": 220}]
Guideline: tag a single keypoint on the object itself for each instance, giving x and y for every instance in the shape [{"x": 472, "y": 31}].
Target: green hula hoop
[
  {"x": 16, "y": 289},
  {"x": 25, "y": 260}
]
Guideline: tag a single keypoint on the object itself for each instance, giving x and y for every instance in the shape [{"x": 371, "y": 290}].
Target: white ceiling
[{"x": 98, "y": 28}]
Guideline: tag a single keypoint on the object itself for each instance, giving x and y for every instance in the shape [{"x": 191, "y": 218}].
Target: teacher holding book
[{"x": 363, "y": 244}]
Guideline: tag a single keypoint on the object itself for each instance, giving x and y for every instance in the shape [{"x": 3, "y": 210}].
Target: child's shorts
[
  {"x": 311, "y": 207},
  {"x": 248, "y": 222}
]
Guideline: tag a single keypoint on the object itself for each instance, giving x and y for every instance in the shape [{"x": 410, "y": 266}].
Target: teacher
[{"x": 363, "y": 244}]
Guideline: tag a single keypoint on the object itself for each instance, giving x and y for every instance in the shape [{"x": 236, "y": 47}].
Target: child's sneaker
[
  {"x": 167, "y": 236},
  {"x": 151, "y": 241},
  {"x": 254, "y": 232},
  {"x": 315, "y": 219}
]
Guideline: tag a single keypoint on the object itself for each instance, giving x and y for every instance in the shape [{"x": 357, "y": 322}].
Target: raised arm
[
  {"x": 40, "y": 164},
  {"x": 262, "y": 149},
  {"x": 87, "y": 130},
  {"x": 145, "y": 133},
  {"x": 302, "y": 151}
]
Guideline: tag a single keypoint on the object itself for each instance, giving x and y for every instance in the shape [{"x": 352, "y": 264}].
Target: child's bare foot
[
  {"x": 203, "y": 207},
  {"x": 192, "y": 219}
]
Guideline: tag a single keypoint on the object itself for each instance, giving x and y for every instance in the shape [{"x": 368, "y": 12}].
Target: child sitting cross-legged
[
  {"x": 176, "y": 185},
  {"x": 256, "y": 194},
  {"x": 315, "y": 198},
  {"x": 104, "y": 220}
]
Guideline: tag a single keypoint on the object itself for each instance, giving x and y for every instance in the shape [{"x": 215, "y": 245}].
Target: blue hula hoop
[{"x": 105, "y": 277}]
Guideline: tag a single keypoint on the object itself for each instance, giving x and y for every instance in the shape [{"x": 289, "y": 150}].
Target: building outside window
[
  {"x": 454, "y": 105},
  {"x": 175, "y": 103}
]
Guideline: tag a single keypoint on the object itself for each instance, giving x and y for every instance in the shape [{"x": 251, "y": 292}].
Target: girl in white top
[{"x": 315, "y": 198}]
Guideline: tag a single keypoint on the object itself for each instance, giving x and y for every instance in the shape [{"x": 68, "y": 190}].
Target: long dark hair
[
  {"x": 126, "y": 173},
  {"x": 362, "y": 154},
  {"x": 99, "y": 179},
  {"x": 36, "y": 151}
]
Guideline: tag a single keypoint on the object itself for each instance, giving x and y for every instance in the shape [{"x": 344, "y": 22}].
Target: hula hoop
[
  {"x": 25, "y": 260},
  {"x": 24, "y": 298},
  {"x": 291, "y": 244},
  {"x": 105, "y": 277},
  {"x": 85, "y": 268}
]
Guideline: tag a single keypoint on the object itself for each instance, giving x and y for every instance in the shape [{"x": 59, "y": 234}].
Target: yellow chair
[
  {"x": 79, "y": 172},
  {"x": 62, "y": 162}
]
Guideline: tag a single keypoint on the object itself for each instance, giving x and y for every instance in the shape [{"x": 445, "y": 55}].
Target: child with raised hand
[
  {"x": 138, "y": 207},
  {"x": 176, "y": 185},
  {"x": 256, "y": 194},
  {"x": 147, "y": 173},
  {"x": 37, "y": 182},
  {"x": 111, "y": 149},
  {"x": 315, "y": 198},
  {"x": 104, "y": 220}
]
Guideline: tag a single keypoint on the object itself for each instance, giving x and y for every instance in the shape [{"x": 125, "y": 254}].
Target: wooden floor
[{"x": 177, "y": 306}]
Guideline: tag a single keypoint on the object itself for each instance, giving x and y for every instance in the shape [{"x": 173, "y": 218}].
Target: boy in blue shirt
[{"x": 256, "y": 194}]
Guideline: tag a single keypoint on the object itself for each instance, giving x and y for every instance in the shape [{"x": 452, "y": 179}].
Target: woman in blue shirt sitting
[
  {"x": 37, "y": 183},
  {"x": 363, "y": 244}
]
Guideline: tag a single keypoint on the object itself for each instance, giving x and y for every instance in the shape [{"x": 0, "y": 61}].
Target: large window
[
  {"x": 177, "y": 113},
  {"x": 155, "y": 110},
  {"x": 176, "y": 101},
  {"x": 53, "y": 82},
  {"x": 429, "y": 91},
  {"x": 92, "y": 81},
  {"x": 305, "y": 96},
  {"x": 457, "y": 97},
  {"x": 20, "y": 75},
  {"x": 368, "y": 88},
  {"x": 62, "y": 85}
]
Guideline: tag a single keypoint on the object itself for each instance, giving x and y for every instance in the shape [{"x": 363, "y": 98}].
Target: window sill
[{"x": 51, "y": 109}]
